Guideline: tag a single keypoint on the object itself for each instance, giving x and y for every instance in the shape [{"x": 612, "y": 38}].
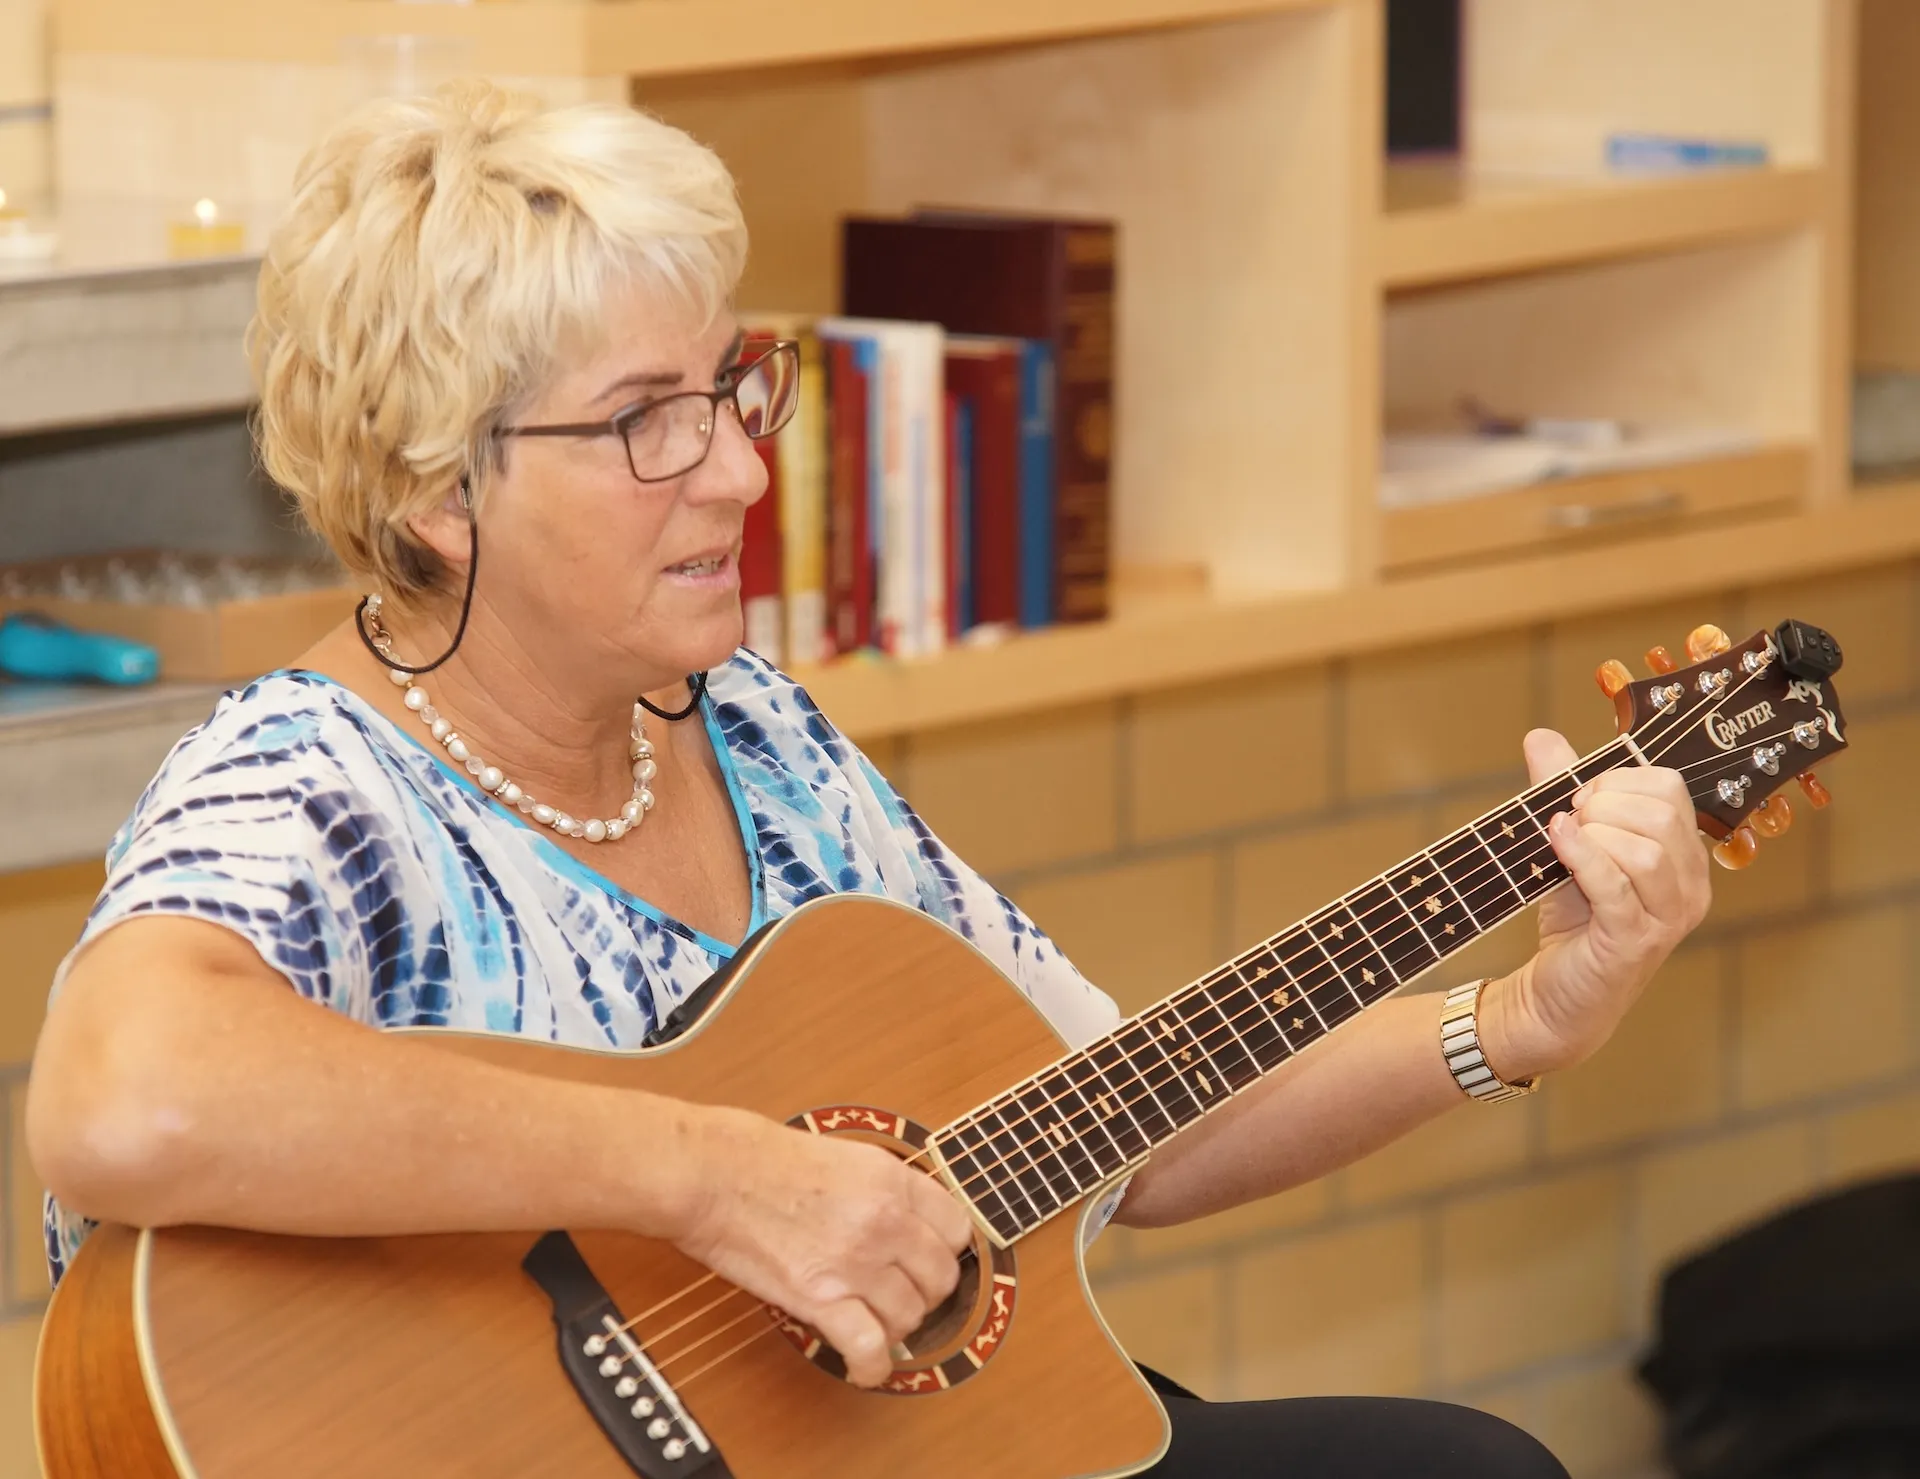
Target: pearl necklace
[{"x": 495, "y": 782}]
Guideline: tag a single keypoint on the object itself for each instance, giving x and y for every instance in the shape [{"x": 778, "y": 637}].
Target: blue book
[
  {"x": 1639, "y": 153},
  {"x": 960, "y": 515},
  {"x": 1037, "y": 491}
]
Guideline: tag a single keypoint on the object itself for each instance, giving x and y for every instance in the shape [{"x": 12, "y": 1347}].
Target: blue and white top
[{"x": 387, "y": 886}]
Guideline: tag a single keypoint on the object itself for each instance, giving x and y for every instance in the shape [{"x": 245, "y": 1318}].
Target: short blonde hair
[{"x": 439, "y": 253}]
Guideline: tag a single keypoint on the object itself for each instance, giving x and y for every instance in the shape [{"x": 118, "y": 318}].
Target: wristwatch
[{"x": 1460, "y": 1046}]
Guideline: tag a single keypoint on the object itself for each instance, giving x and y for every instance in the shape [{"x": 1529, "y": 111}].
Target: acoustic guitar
[{"x": 601, "y": 1355}]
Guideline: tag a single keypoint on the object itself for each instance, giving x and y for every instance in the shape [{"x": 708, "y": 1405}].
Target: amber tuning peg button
[
  {"x": 1773, "y": 818},
  {"x": 1612, "y": 676},
  {"x": 1818, "y": 794},
  {"x": 1738, "y": 850},
  {"x": 1660, "y": 661},
  {"x": 1706, "y": 641}
]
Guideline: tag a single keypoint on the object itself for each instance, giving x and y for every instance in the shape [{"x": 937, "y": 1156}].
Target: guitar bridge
[{"x": 632, "y": 1401}]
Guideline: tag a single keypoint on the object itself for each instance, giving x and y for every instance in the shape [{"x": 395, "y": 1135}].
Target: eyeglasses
[{"x": 672, "y": 436}]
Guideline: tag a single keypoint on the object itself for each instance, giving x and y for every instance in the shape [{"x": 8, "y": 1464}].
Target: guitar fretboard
[{"x": 1071, "y": 1128}]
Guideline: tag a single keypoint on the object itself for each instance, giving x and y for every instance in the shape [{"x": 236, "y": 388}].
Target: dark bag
[{"x": 1792, "y": 1350}]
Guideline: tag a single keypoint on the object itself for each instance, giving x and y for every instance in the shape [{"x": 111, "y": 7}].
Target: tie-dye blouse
[{"x": 387, "y": 886}]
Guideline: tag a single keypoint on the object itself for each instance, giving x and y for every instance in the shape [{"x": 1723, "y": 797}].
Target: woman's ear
[{"x": 444, "y": 528}]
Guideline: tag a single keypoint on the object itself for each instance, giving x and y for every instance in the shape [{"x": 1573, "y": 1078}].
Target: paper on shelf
[{"x": 1438, "y": 467}]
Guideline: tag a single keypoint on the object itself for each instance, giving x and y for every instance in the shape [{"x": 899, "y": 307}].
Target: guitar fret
[
  {"x": 1393, "y": 930},
  {"x": 1117, "y": 1116},
  {"x": 1475, "y": 876},
  {"x": 967, "y": 1166},
  {"x": 1240, "y": 1006},
  {"x": 1272, "y": 1000},
  {"x": 1015, "y": 1165},
  {"x": 1212, "y": 1033},
  {"x": 1107, "y": 1153},
  {"x": 1133, "y": 1089},
  {"x": 1042, "y": 1121},
  {"x": 1172, "y": 1040}
]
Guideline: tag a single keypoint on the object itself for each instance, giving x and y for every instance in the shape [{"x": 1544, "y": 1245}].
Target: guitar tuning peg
[
  {"x": 1738, "y": 850},
  {"x": 1612, "y": 676},
  {"x": 1660, "y": 661},
  {"x": 1817, "y": 794},
  {"x": 1706, "y": 641},
  {"x": 1773, "y": 818}
]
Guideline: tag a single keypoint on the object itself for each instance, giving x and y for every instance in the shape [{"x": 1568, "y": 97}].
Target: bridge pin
[
  {"x": 625, "y": 1387},
  {"x": 674, "y": 1451},
  {"x": 610, "y": 1366},
  {"x": 596, "y": 1345},
  {"x": 643, "y": 1408},
  {"x": 659, "y": 1428}
]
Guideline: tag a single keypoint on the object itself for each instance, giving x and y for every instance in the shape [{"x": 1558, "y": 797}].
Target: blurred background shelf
[{"x": 1444, "y": 223}]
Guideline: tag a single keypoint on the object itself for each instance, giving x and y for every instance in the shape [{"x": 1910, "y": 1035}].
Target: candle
[
  {"x": 206, "y": 235},
  {"x": 19, "y": 243}
]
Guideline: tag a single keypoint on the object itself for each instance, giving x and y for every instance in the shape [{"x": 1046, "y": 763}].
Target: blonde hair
[{"x": 439, "y": 253}]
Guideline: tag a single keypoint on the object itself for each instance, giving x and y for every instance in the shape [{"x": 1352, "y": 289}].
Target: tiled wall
[{"x": 1503, "y": 1256}]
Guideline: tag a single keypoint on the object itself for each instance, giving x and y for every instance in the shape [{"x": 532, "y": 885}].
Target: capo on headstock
[{"x": 1736, "y": 723}]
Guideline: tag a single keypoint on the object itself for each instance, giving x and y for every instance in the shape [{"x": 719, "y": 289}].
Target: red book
[
  {"x": 1032, "y": 278},
  {"x": 849, "y": 546},
  {"x": 760, "y": 561},
  {"x": 986, "y": 373}
]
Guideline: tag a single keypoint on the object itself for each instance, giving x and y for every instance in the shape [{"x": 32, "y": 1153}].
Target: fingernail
[{"x": 1581, "y": 796}]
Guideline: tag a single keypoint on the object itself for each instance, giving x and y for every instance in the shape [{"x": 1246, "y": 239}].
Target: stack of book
[{"x": 947, "y": 471}]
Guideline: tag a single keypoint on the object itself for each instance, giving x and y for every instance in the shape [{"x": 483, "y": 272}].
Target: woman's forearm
[
  {"x": 178, "y": 1080},
  {"x": 1352, "y": 1094}
]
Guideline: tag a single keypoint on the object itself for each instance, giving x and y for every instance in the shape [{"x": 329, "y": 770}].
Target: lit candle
[
  {"x": 19, "y": 242},
  {"x": 206, "y": 235}
]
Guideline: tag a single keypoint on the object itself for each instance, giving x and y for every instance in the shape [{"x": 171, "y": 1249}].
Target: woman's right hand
[{"x": 836, "y": 1233}]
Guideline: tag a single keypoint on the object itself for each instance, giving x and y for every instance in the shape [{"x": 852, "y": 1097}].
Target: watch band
[{"x": 1460, "y": 1046}]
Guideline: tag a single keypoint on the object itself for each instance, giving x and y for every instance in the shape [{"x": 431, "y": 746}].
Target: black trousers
[{"x": 1343, "y": 1438}]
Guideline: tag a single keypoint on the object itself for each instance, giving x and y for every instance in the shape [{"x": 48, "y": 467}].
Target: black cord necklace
[{"x": 696, "y": 682}]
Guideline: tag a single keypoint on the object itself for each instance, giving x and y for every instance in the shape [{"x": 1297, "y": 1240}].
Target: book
[
  {"x": 1029, "y": 278},
  {"x": 760, "y": 561},
  {"x": 849, "y": 573},
  {"x": 1038, "y": 562},
  {"x": 905, "y": 479},
  {"x": 803, "y": 489},
  {"x": 959, "y": 520},
  {"x": 985, "y": 373}
]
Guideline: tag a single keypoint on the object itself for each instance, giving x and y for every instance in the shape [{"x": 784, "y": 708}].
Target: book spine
[
  {"x": 849, "y": 565},
  {"x": 1037, "y": 471},
  {"x": 959, "y": 514},
  {"x": 803, "y": 509},
  {"x": 1083, "y": 432},
  {"x": 927, "y": 400},
  {"x": 760, "y": 564},
  {"x": 889, "y": 505}
]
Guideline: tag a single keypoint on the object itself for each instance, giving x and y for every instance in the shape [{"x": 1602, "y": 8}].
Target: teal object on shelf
[{"x": 34, "y": 646}]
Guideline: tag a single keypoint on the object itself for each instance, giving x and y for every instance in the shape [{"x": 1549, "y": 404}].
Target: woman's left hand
[{"x": 1640, "y": 875}]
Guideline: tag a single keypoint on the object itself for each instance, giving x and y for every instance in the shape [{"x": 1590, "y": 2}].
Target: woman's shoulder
[{"x": 759, "y": 707}]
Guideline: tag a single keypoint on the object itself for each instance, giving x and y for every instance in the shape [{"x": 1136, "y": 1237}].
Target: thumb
[{"x": 1548, "y": 753}]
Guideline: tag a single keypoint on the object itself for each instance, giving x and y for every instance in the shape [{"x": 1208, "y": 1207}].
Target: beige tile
[
  {"x": 1688, "y": 1198},
  {"x": 27, "y": 1251},
  {"x": 1874, "y": 1140},
  {"x": 1529, "y": 1274},
  {"x": 40, "y": 918},
  {"x": 1822, "y": 1007},
  {"x": 1663, "y": 1070},
  {"x": 1598, "y": 1422},
  {"x": 1875, "y": 817},
  {"x": 1423, "y": 717},
  {"x": 1870, "y": 611},
  {"x": 1466, "y": 1144},
  {"x": 18, "y": 1339},
  {"x": 1138, "y": 931},
  {"x": 1171, "y": 1322},
  {"x": 1342, "y": 1312},
  {"x": 1279, "y": 879},
  {"x": 1295, "y": 1208},
  {"x": 1021, "y": 793},
  {"x": 1226, "y": 754},
  {"x": 1575, "y": 705}
]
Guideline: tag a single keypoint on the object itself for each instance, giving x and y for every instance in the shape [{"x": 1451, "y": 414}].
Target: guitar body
[{"x": 228, "y": 1355}]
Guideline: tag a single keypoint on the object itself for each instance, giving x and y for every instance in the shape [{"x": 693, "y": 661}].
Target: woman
[{"x": 482, "y": 324}]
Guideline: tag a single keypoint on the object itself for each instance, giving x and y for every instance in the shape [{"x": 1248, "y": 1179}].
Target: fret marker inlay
[{"x": 1506, "y": 829}]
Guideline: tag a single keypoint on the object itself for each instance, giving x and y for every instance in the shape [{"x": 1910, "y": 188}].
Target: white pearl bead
[
  {"x": 646, "y": 799},
  {"x": 644, "y": 771},
  {"x": 511, "y": 793},
  {"x": 562, "y": 822},
  {"x": 642, "y": 748},
  {"x": 595, "y": 831},
  {"x": 633, "y": 810},
  {"x": 416, "y": 699},
  {"x": 457, "y": 748},
  {"x": 441, "y": 729},
  {"x": 475, "y": 765},
  {"x": 398, "y": 678},
  {"x": 544, "y": 814},
  {"x": 492, "y": 777},
  {"x": 616, "y": 829}
]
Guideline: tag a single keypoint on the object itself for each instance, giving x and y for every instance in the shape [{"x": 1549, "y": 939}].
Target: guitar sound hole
[{"x": 951, "y": 1322}]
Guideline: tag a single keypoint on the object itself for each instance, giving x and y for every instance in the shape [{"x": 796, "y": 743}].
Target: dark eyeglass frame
[{"x": 622, "y": 422}]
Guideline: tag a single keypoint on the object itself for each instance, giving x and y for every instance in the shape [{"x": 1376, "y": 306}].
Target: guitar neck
[{"x": 1048, "y": 1141}]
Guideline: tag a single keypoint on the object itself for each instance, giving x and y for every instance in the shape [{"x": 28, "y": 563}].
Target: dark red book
[
  {"x": 1031, "y": 278},
  {"x": 849, "y": 546},
  {"x": 760, "y": 565},
  {"x": 986, "y": 373}
]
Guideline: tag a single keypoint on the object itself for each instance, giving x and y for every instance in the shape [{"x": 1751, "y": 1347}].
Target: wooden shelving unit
[{"x": 1444, "y": 224}]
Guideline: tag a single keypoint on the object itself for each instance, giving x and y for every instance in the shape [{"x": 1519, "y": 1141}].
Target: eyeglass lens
[{"x": 673, "y": 436}]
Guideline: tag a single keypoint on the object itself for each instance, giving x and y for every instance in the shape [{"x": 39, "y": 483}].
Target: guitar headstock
[{"x": 1738, "y": 723}]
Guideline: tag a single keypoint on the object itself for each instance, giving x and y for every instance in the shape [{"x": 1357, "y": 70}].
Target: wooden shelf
[
  {"x": 621, "y": 38},
  {"x": 1444, "y": 225},
  {"x": 1171, "y": 644}
]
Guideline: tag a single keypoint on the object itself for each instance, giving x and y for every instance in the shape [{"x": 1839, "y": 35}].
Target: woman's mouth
[{"x": 708, "y": 571}]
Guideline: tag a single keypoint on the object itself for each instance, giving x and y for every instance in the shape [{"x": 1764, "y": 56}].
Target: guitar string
[{"x": 1142, "y": 1076}]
